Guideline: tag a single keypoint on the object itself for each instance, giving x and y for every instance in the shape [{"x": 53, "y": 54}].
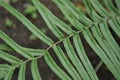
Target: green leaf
[
  {"x": 9, "y": 75},
  {"x": 30, "y": 9},
  {"x": 88, "y": 36},
  {"x": 2, "y": 74},
  {"x": 14, "y": 45},
  {"x": 4, "y": 66},
  {"x": 52, "y": 64},
  {"x": 110, "y": 6},
  {"x": 35, "y": 70},
  {"x": 8, "y": 22},
  {"x": 115, "y": 26},
  {"x": 34, "y": 52},
  {"x": 118, "y": 4},
  {"x": 4, "y": 69},
  {"x": 9, "y": 58},
  {"x": 73, "y": 11},
  {"x": 75, "y": 60},
  {"x": 52, "y": 21},
  {"x": 5, "y": 47},
  {"x": 66, "y": 63},
  {"x": 107, "y": 34},
  {"x": 100, "y": 9},
  {"x": 21, "y": 75},
  {"x": 106, "y": 47},
  {"x": 83, "y": 57}
]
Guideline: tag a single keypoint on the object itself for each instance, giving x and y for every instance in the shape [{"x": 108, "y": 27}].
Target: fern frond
[{"x": 95, "y": 29}]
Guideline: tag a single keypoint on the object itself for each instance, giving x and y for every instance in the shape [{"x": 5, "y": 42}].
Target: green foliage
[
  {"x": 30, "y": 9},
  {"x": 14, "y": 1},
  {"x": 95, "y": 29},
  {"x": 8, "y": 22}
]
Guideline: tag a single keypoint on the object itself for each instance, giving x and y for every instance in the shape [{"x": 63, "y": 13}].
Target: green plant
[
  {"x": 8, "y": 22},
  {"x": 30, "y": 9},
  {"x": 95, "y": 28}
]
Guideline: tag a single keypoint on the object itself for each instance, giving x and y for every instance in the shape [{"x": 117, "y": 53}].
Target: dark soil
[{"x": 21, "y": 35}]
